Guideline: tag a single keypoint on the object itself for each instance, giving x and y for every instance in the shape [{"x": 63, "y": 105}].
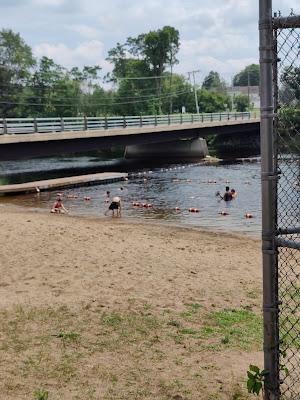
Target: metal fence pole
[
  {"x": 5, "y": 131},
  {"x": 35, "y": 125},
  {"x": 268, "y": 184},
  {"x": 85, "y": 123}
]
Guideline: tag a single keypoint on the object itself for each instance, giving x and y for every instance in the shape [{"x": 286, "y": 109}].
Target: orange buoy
[
  {"x": 248, "y": 215},
  {"x": 223, "y": 213}
]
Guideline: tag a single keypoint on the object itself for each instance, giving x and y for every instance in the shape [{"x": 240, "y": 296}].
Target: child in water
[
  {"x": 115, "y": 205},
  {"x": 58, "y": 207},
  {"x": 107, "y": 196}
]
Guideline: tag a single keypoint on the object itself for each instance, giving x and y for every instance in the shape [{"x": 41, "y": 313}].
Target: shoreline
[{"x": 133, "y": 221}]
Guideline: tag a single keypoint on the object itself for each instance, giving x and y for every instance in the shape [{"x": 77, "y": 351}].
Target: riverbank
[{"x": 106, "y": 309}]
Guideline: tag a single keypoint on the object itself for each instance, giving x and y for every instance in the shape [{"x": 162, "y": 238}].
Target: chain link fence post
[{"x": 268, "y": 184}]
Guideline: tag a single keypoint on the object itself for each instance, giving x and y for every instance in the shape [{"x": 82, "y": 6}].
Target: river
[{"x": 171, "y": 189}]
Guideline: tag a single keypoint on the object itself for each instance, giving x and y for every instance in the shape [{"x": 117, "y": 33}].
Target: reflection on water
[{"x": 166, "y": 188}]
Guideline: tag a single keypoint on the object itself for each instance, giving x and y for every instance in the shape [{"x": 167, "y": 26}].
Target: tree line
[{"x": 142, "y": 81}]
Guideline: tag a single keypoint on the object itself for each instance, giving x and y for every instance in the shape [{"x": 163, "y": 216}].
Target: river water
[{"x": 166, "y": 187}]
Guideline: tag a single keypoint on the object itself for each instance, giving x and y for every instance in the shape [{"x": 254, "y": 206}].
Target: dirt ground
[{"x": 107, "y": 309}]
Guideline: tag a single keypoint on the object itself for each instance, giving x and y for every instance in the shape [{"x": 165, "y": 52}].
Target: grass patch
[
  {"x": 41, "y": 394},
  {"x": 121, "y": 350},
  {"x": 234, "y": 328}
]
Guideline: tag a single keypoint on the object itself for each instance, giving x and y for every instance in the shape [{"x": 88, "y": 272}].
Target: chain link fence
[
  {"x": 286, "y": 75},
  {"x": 280, "y": 155}
]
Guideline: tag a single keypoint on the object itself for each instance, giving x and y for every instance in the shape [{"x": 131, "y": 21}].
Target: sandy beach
[{"x": 109, "y": 309}]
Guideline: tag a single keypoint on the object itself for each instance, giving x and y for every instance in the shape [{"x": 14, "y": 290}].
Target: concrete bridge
[{"x": 28, "y": 138}]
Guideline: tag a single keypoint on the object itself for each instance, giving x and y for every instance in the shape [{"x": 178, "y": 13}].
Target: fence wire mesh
[{"x": 287, "y": 157}]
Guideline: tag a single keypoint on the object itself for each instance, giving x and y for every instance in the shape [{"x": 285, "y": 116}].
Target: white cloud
[
  {"x": 85, "y": 31},
  {"x": 221, "y": 35},
  {"x": 51, "y": 3},
  {"x": 86, "y": 53}
]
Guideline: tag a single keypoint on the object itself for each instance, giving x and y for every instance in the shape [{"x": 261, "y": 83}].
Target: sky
[{"x": 219, "y": 35}]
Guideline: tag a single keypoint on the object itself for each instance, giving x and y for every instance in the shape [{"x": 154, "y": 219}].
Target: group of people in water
[
  {"x": 115, "y": 205},
  {"x": 228, "y": 195}
]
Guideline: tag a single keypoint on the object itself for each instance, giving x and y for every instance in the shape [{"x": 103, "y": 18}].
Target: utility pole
[
  {"x": 195, "y": 90},
  {"x": 248, "y": 75}
]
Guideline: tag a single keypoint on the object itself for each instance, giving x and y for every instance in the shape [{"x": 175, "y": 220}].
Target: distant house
[{"x": 253, "y": 93}]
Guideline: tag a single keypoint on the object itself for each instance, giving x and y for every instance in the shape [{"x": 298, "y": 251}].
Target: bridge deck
[
  {"x": 59, "y": 183},
  {"x": 85, "y": 134}
]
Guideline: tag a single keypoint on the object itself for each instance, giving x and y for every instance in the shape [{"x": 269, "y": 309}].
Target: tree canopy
[
  {"x": 142, "y": 80},
  {"x": 213, "y": 82},
  {"x": 248, "y": 76}
]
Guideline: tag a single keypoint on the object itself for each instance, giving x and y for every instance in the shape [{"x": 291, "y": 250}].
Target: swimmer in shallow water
[
  {"x": 115, "y": 205},
  {"x": 233, "y": 193},
  {"x": 107, "y": 196},
  {"x": 58, "y": 207},
  {"x": 227, "y": 196}
]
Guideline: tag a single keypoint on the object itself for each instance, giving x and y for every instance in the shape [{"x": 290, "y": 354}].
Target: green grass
[
  {"x": 217, "y": 330},
  {"x": 122, "y": 350},
  {"x": 41, "y": 394}
]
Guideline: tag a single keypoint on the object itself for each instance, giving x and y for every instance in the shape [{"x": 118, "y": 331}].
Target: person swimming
[
  {"x": 233, "y": 193},
  {"x": 227, "y": 196}
]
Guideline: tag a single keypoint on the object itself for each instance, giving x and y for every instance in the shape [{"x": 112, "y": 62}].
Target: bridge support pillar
[{"x": 182, "y": 149}]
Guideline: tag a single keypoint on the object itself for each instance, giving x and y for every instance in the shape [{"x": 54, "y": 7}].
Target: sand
[{"x": 67, "y": 274}]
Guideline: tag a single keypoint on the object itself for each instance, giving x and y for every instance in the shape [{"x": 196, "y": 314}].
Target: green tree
[
  {"x": 241, "y": 102},
  {"x": 248, "y": 76},
  {"x": 210, "y": 102},
  {"x": 290, "y": 86},
  {"x": 16, "y": 61},
  {"x": 147, "y": 55},
  {"x": 213, "y": 82},
  {"x": 180, "y": 93}
]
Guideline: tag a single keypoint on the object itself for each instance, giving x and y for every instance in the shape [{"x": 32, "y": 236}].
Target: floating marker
[
  {"x": 223, "y": 213},
  {"x": 248, "y": 215}
]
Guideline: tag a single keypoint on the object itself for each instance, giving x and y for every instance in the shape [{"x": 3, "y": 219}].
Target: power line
[
  {"x": 91, "y": 103},
  {"x": 96, "y": 104},
  {"x": 143, "y": 77},
  {"x": 53, "y": 91}
]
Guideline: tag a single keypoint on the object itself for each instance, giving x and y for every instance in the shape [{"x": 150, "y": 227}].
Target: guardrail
[{"x": 9, "y": 126}]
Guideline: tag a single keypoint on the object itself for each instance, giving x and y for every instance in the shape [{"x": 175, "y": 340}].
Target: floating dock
[{"x": 62, "y": 183}]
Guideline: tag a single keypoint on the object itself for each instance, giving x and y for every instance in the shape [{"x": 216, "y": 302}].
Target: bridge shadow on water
[{"x": 58, "y": 167}]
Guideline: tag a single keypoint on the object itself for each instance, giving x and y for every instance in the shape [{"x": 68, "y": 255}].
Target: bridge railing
[{"x": 10, "y": 126}]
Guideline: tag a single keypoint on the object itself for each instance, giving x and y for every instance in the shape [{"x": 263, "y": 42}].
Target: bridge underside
[{"x": 42, "y": 148}]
